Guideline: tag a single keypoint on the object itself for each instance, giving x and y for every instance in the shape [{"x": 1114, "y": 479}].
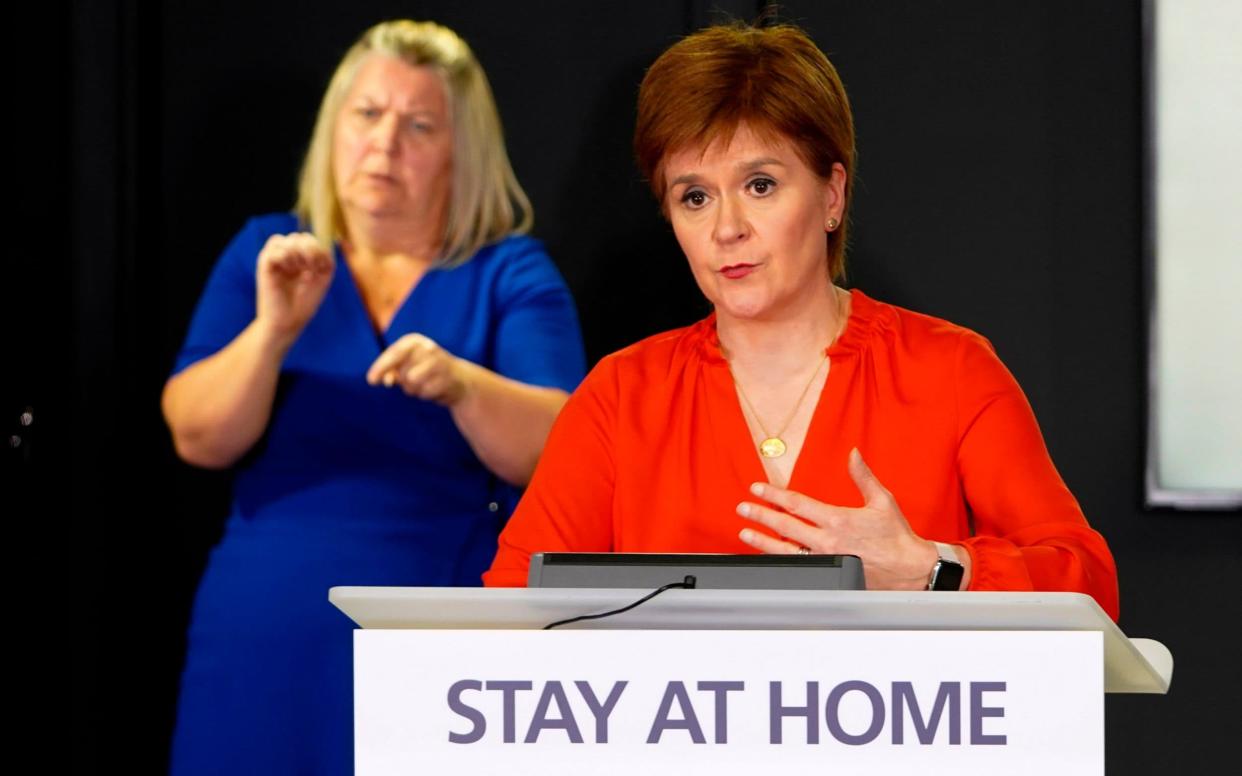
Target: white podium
[{"x": 464, "y": 680}]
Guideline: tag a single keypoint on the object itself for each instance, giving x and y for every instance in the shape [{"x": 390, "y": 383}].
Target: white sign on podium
[{"x": 723, "y": 703}]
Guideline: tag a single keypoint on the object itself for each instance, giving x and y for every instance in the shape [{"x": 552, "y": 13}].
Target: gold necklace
[{"x": 773, "y": 446}]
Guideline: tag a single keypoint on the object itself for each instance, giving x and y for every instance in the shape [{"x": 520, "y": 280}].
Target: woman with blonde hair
[
  {"x": 381, "y": 367},
  {"x": 799, "y": 417}
]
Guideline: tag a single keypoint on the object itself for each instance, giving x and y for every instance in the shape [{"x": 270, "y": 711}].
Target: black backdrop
[{"x": 1000, "y": 187}]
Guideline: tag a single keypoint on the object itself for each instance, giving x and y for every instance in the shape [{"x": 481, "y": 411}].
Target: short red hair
[{"x": 773, "y": 79}]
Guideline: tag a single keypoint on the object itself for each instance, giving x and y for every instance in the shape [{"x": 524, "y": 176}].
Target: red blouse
[{"x": 652, "y": 454}]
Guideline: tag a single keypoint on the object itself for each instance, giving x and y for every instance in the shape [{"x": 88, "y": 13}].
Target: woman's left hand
[
  {"x": 893, "y": 556},
  {"x": 422, "y": 368}
]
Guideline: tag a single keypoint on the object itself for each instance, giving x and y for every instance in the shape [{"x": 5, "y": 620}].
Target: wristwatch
[{"x": 948, "y": 571}]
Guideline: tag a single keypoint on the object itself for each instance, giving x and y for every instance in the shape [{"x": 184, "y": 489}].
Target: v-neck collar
[
  {"x": 381, "y": 338},
  {"x": 746, "y": 460}
]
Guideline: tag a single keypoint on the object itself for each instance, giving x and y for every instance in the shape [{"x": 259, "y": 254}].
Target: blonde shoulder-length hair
[{"x": 487, "y": 202}]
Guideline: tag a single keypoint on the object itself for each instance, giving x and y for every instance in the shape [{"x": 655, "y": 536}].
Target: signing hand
[
  {"x": 293, "y": 273},
  {"x": 423, "y": 369},
  {"x": 893, "y": 556}
]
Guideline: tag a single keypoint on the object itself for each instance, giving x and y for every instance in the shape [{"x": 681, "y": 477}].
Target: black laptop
[{"x": 725, "y": 572}]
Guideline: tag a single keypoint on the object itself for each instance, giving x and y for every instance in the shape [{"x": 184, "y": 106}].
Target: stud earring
[{"x": 832, "y": 224}]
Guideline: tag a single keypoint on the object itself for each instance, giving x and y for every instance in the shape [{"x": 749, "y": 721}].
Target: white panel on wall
[{"x": 1195, "y": 406}]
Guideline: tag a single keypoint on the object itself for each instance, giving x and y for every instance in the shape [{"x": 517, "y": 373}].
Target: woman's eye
[
  {"x": 694, "y": 199},
  {"x": 368, "y": 113},
  {"x": 762, "y": 186}
]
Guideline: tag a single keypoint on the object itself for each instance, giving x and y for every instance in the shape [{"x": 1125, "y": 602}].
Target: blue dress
[{"x": 350, "y": 485}]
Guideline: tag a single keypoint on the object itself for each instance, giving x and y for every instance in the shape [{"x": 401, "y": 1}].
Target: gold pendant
[{"x": 772, "y": 447}]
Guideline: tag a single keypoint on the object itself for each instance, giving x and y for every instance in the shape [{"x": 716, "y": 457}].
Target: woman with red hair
[{"x": 799, "y": 417}]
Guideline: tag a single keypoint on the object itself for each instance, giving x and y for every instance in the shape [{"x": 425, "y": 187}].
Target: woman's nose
[
  {"x": 384, "y": 133},
  {"x": 731, "y": 225}
]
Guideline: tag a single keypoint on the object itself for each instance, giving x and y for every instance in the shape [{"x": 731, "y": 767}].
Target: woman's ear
[{"x": 834, "y": 197}]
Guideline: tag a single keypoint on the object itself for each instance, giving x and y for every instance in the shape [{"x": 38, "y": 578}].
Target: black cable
[{"x": 688, "y": 583}]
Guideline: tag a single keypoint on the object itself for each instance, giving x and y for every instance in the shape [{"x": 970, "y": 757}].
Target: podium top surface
[{"x": 1130, "y": 665}]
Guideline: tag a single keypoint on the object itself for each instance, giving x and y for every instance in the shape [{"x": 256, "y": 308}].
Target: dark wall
[{"x": 999, "y": 186}]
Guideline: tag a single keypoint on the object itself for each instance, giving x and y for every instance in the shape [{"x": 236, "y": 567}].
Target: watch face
[{"x": 947, "y": 575}]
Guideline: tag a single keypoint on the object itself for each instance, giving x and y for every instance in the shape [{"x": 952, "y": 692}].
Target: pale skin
[
  {"x": 751, "y": 218},
  {"x": 392, "y": 163}
]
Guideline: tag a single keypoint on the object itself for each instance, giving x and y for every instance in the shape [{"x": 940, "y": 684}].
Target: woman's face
[
  {"x": 392, "y": 149},
  {"x": 751, "y": 218}
]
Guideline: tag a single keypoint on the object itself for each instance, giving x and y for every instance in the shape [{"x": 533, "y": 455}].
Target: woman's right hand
[
  {"x": 217, "y": 408},
  {"x": 293, "y": 274}
]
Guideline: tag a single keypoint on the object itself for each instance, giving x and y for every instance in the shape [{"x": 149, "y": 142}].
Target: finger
[
  {"x": 865, "y": 480},
  {"x": 398, "y": 356},
  {"x": 296, "y": 254},
  {"x": 384, "y": 368},
  {"x": 419, "y": 379},
  {"x": 286, "y": 261},
  {"x": 273, "y": 253},
  {"x": 393, "y": 357},
  {"x": 322, "y": 262},
  {"x": 300, "y": 258},
  {"x": 317, "y": 258},
  {"x": 304, "y": 241},
  {"x": 785, "y": 525},
  {"x": 795, "y": 503},
  {"x": 296, "y": 245},
  {"x": 273, "y": 244},
  {"x": 764, "y": 543}
]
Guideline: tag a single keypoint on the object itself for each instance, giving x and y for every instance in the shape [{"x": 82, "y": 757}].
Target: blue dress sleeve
[
  {"x": 227, "y": 305},
  {"x": 537, "y": 338}
]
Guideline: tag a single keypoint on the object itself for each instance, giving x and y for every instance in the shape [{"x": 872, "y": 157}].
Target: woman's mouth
[{"x": 737, "y": 271}]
